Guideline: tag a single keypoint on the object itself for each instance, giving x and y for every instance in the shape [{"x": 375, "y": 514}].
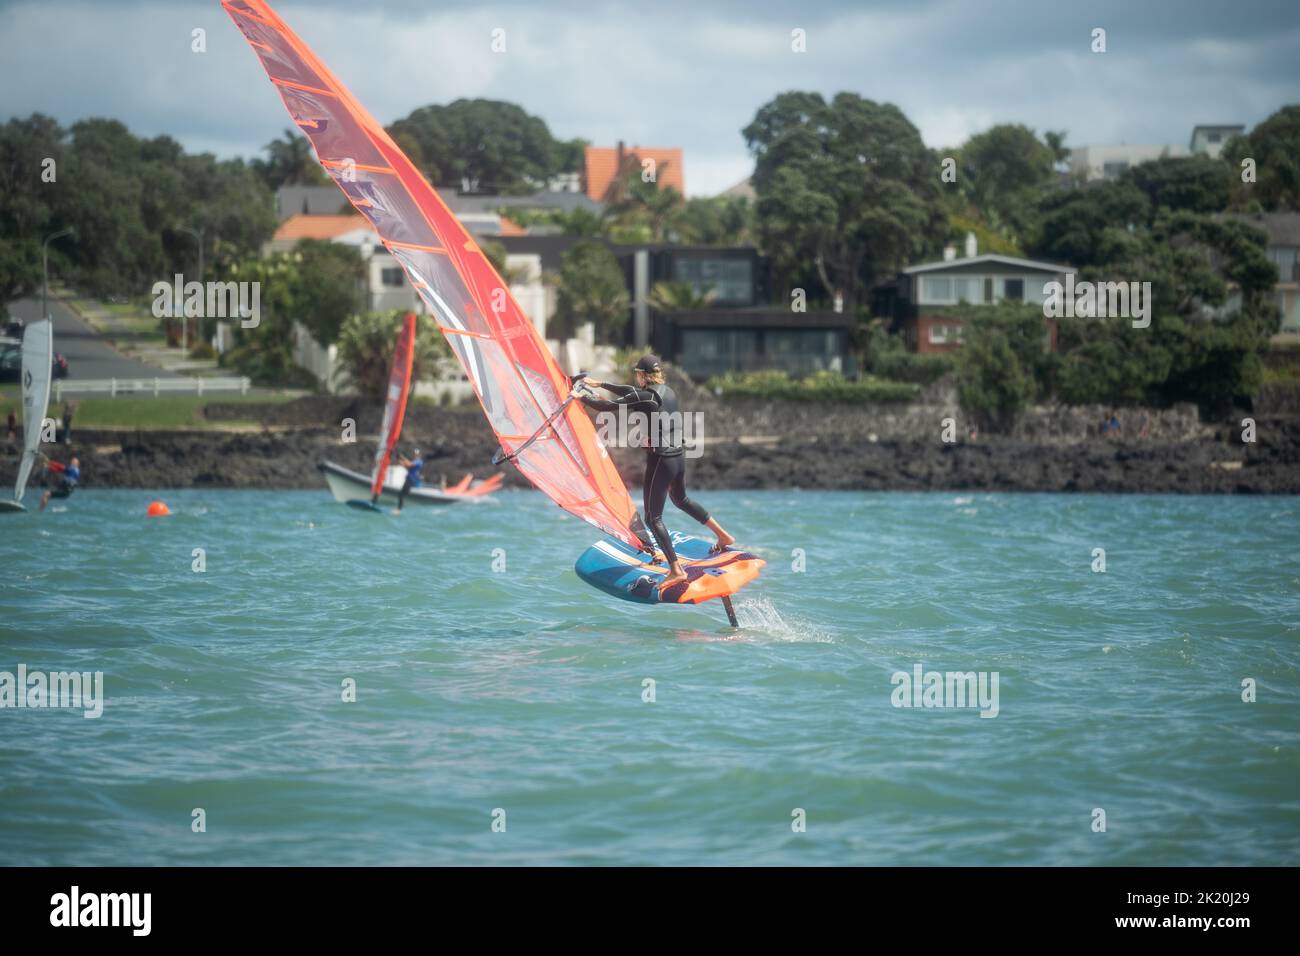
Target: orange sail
[
  {"x": 513, "y": 373},
  {"x": 399, "y": 384}
]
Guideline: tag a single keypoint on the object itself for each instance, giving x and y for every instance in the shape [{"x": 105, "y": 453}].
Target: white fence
[{"x": 150, "y": 386}]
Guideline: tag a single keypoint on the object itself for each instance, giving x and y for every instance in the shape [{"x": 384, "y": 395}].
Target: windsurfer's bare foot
[
  {"x": 724, "y": 540},
  {"x": 45, "y": 500},
  {"x": 675, "y": 576}
]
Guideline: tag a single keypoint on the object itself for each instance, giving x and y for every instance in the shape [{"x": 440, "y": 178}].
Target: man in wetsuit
[
  {"x": 413, "y": 466},
  {"x": 71, "y": 474},
  {"x": 665, "y": 467}
]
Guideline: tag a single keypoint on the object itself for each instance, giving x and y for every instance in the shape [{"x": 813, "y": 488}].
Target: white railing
[{"x": 150, "y": 386}]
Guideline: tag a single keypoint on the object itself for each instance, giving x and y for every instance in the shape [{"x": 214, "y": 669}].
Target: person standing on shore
[
  {"x": 68, "y": 408},
  {"x": 665, "y": 469},
  {"x": 13, "y": 427}
]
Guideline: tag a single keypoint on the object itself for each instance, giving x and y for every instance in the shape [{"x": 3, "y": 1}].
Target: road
[{"x": 87, "y": 354}]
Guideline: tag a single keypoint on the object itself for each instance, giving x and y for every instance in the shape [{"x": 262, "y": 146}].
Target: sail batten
[{"x": 505, "y": 359}]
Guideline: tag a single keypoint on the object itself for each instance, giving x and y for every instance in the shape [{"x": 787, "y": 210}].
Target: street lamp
[
  {"x": 185, "y": 322},
  {"x": 45, "y": 267}
]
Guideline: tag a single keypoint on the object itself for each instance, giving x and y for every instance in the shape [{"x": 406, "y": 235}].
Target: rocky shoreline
[{"x": 748, "y": 445}]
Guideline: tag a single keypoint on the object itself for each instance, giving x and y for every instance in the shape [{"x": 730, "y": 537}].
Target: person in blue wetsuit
[
  {"x": 69, "y": 475},
  {"x": 413, "y": 465},
  {"x": 665, "y": 467}
]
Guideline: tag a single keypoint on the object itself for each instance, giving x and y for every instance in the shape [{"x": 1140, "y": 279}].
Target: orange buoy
[{"x": 158, "y": 509}]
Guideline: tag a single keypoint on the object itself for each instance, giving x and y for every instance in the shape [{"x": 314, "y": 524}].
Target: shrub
[{"x": 819, "y": 387}]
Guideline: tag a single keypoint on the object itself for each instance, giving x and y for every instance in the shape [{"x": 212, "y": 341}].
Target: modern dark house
[{"x": 739, "y": 330}]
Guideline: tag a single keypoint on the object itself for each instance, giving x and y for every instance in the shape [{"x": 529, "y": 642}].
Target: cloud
[{"x": 673, "y": 73}]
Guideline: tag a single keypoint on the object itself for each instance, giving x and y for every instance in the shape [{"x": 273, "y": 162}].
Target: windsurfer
[
  {"x": 69, "y": 475},
  {"x": 665, "y": 471},
  {"x": 413, "y": 466}
]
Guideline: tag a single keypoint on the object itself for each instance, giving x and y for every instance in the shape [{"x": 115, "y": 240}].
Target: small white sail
[{"x": 38, "y": 358}]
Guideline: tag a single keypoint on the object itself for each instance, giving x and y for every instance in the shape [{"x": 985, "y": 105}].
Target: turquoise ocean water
[{"x": 519, "y": 694}]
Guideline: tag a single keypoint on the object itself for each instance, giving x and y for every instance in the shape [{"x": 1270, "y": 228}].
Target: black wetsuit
[{"x": 665, "y": 464}]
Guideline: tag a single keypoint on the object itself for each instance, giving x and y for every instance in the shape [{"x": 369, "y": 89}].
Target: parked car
[{"x": 11, "y": 361}]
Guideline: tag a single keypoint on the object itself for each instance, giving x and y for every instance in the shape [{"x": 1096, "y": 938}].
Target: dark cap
[{"x": 647, "y": 364}]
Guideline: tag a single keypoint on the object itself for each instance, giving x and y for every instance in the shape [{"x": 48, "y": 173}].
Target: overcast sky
[{"x": 686, "y": 73}]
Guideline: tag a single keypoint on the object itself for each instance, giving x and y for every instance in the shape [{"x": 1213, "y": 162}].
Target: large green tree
[
  {"x": 1002, "y": 174},
  {"x": 1183, "y": 183},
  {"x": 126, "y": 197},
  {"x": 846, "y": 187},
  {"x": 1274, "y": 146},
  {"x": 496, "y": 146}
]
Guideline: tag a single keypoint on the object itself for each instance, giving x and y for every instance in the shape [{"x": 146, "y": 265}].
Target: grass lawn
[{"x": 170, "y": 412}]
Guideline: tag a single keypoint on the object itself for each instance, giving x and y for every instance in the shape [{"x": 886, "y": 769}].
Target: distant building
[
  {"x": 1109, "y": 162},
  {"x": 602, "y": 167},
  {"x": 744, "y": 189},
  {"x": 1211, "y": 139},
  {"x": 1283, "y": 231},
  {"x": 310, "y": 201},
  {"x": 922, "y": 298},
  {"x": 739, "y": 330},
  {"x": 481, "y": 215}
]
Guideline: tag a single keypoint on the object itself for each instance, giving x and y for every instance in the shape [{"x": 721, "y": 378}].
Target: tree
[
  {"x": 367, "y": 341},
  {"x": 496, "y": 146},
  {"x": 679, "y": 297},
  {"x": 326, "y": 282},
  {"x": 847, "y": 187},
  {"x": 992, "y": 382},
  {"x": 1274, "y": 145},
  {"x": 713, "y": 221},
  {"x": 290, "y": 161},
  {"x": 1183, "y": 183},
  {"x": 1002, "y": 173},
  {"x": 592, "y": 289},
  {"x": 637, "y": 210},
  {"x": 1091, "y": 225},
  {"x": 27, "y": 205}
]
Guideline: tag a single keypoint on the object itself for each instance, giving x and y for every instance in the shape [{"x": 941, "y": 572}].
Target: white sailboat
[{"x": 38, "y": 358}]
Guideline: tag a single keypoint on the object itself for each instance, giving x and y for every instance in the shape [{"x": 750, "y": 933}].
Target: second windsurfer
[{"x": 413, "y": 465}]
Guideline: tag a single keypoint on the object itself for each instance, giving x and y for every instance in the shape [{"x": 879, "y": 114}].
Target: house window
[
  {"x": 965, "y": 289},
  {"x": 988, "y": 289},
  {"x": 391, "y": 277},
  {"x": 939, "y": 334},
  {"x": 732, "y": 280},
  {"x": 1285, "y": 258},
  {"x": 706, "y": 352},
  {"x": 1113, "y": 170},
  {"x": 1214, "y": 137},
  {"x": 1014, "y": 289},
  {"x": 935, "y": 290}
]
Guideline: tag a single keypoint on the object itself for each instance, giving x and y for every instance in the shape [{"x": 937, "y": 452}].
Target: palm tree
[{"x": 679, "y": 297}]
